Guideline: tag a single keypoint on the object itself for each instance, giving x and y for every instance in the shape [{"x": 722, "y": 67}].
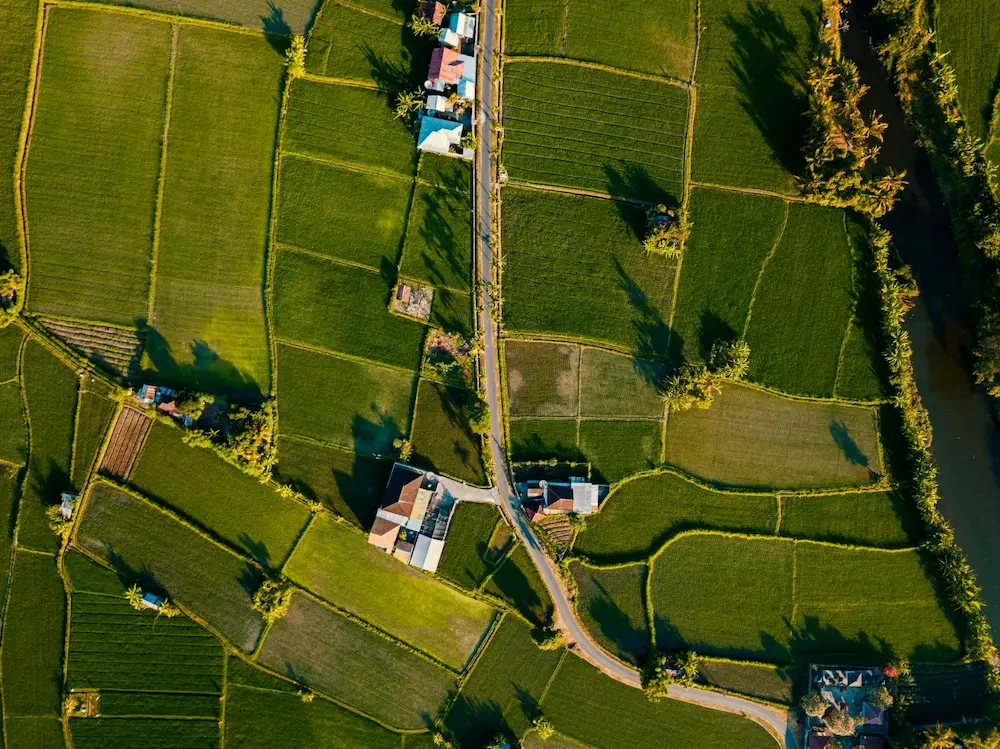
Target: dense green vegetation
[
  {"x": 93, "y": 421},
  {"x": 208, "y": 313},
  {"x": 585, "y": 252},
  {"x": 331, "y": 654},
  {"x": 147, "y": 546},
  {"x": 616, "y": 449},
  {"x": 218, "y": 496},
  {"x": 571, "y": 126},
  {"x": 91, "y": 212},
  {"x": 763, "y": 680},
  {"x": 517, "y": 582},
  {"x": 507, "y": 681},
  {"x": 612, "y": 606},
  {"x": 381, "y": 590},
  {"x": 260, "y": 718},
  {"x": 543, "y": 439},
  {"x": 121, "y": 733},
  {"x": 755, "y": 439},
  {"x": 775, "y": 598},
  {"x": 443, "y": 440},
  {"x": 468, "y": 556},
  {"x": 587, "y": 705},
  {"x": 50, "y": 388},
  {"x": 868, "y": 518}
]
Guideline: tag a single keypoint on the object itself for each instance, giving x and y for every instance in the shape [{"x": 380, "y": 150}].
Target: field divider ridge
[
  {"x": 369, "y": 12},
  {"x": 163, "y": 17},
  {"x": 162, "y": 175},
  {"x": 788, "y": 198},
  {"x": 582, "y": 192},
  {"x": 332, "y": 80},
  {"x": 347, "y": 357},
  {"x": 517, "y": 58},
  {"x": 763, "y": 268},
  {"x": 349, "y": 165}
]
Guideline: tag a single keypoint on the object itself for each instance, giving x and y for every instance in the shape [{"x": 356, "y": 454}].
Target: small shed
[
  {"x": 67, "y": 504},
  {"x": 152, "y": 601},
  {"x": 463, "y": 24}
]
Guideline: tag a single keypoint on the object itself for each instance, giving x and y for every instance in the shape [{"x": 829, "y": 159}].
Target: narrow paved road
[{"x": 775, "y": 720}]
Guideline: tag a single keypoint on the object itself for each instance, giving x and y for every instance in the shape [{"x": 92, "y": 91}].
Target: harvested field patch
[
  {"x": 866, "y": 518},
  {"x": 968, "y": 31},
  {"x": 167, "y": 556},
  {"x": 542, "y": 439},
  {"x": 507, "y": 681},
  {"x": 615, "y": 385},
  {"x": 442, "y": 439},
  {"x": 587, "y": 705},
  {"x": 342, "y": 213},
  {"x": 96, "y": 410},
  {"x": 776, "y": 598},
  {"x": 18, "y": 19},
  {"x": 611, "y": 605},
  {"x": 91, "y": 209},
  {"x": 465, "y": 560},
  {"x": 660, "y": 36},
  {"x": 127, "y": 439},
  {"x": 349, "y": 662},
  {"x": 322, "y": 303},
  {"x": 208, "y": 317},
  {"x": 218, "y": 496},
  {"x": 640, "y": 515},
  {"x": 113, "y": 646},
  {"x": 116, "y": 349},
  {"x": 393, "y": 596},
  {"x": 364, "y": 47},
  {"x": 349, "y": 124},
  {"x": 366, "y": 406},
  {"x": 616, "y": 449},
  {"x": 766, "y": 681},
  {"x": 803, "y": 305},
  {"x": 586, "y": 252},
  {"x": 756, "y": 439},
  {"x": 50, "y": 388},
  {"x": 733, "y": 234},
  {"x": 570, "y": 126},
  {"x": 543, "y": 379},
  {"x": 34, "y": 623},
  {"x": 291, "y": 15},
  {"x": 121, "y": 733},
  {"x": 12, "y": 446},
  {"x": 752, "y": 61},
  {"x": 438, "y": 246},
  {"x": 262, "y": 719},
  {"x": 349, "y": 483},
  {"x": 11, "y": 337},
  {"x": 517, "y": 582}
]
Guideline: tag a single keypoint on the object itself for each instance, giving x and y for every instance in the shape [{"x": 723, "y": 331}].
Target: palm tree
[
  {"x": 940, "y": 737},
  {"x": 134, "y": 597}
]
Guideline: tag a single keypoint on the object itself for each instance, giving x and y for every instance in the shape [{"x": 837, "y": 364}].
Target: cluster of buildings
[
  {"x": 850, "y": 692},
  {"x": 163, "y": 400},
  {"x": 575, "y": 495},
  {"x": 449, "y": 113},
  {"x": 415, "y": 512}
]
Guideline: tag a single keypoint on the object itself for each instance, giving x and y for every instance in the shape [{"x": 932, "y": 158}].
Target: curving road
[{"x": 776, "y": 721}]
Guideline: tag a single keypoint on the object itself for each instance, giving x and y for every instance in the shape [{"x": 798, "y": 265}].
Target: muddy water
[{"x": 966, "y": 439}]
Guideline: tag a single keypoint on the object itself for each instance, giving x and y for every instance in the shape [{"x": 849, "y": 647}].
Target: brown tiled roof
[
  {"x": 818, "y": 742},
  {"x": 407, "y": 496},
  {"x": 383, "y": 530},
  {"x": 446, "y": 65},
  {"x": 432, "y": 11},
  {"x": 560, "y": 505}
]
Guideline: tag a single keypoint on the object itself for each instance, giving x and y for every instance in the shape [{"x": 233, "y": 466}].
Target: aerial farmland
[{"x": 476, "y": 375}]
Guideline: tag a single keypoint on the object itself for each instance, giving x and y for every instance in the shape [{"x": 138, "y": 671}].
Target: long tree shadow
[
  {"x": 634, "y": 183},
  {"x": 49, "y": 483},
  {"x": 143, "y": 576},
  {"x": 842, "y": 438},
  {"x": 616, "y": 626},
  {"x": 276, "y": 28},
  {"x": 654, "y": 340},
  {"x": 448, "y": 253},
  {"x": 712, "y": 328},
  {"x": 768, "y": 68},
  {"x": 474, "y": 722},
  {"x": 206, "y": 371}
]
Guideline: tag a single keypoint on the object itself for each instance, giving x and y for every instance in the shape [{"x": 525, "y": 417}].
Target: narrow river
[{"x": 966, "y": 440}]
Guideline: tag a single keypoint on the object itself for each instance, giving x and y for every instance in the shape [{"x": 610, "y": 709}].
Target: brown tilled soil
[{"x": 126, "y": 441}]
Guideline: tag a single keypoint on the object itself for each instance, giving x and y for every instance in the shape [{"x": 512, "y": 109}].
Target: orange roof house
[
  {"x": 383, "y": 534},
  {"x": 447, "y": 67}
]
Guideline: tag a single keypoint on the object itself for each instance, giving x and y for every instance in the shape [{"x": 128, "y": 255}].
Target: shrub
[
  {"x": 295, "y": 57},
  {"x": 479, "y": 416},
  {"x": 11, "y": 296},
  {"x": 272, "y": 599},
  {"x": 469, "y": 141},
  {"x": 667, "y": 670},
  {"x": 667, "y": 232},
  {"x": 814, "y": 705},
  {"x": 693, "y": 385},
  {"x": 59, "y": 525},
  {"x": 543, "y": 728},
  {"x": 405, "y": 448},
  {"x": 841, "y": 722},
  {"x": 730, "y": 360},
  {"x": 880, "y": 697}
]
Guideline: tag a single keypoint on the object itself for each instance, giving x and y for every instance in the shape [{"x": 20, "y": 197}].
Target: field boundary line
[
  {"x": 351, "y": 166},
  {"x": 163, "y": 17},
  {"x": 484, "y": 642},
  {"x": 879, "y": 449},
  {"x": 347, "y": 357},
  {"x": 564, "y": 38},
  {"x": 816, "y": 399},
  {"x": 68, "y": 591},
  {"x": 162, "y": 177},
  {"x": 298, "y": 539},
  {"x": 24, "y": 146},
  {"x": 319, "y": 255},
  {"x": 780, "y": 514},
  {"x": 763, "y": 267},
  {"x": 850, "y": 319},
  {"x": 555, "y": 672},
  {"x": 578, "y": 191},
  {"x": 44, "y": 317},
  {"x": 332, "y": 80},
  {"x": 752, "y": 191},
  {"x": 62, "y": 350},
  {"x": 38, "y": 552},
  {"x": 76, "y": 425},
  {"x": 369, "y": 12},
  {"x": 520, "y": 417},
  {"x": 795, "y": 587},
  {"x": 676, "y": 82}
]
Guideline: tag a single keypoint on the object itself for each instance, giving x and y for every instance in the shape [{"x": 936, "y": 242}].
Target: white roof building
[
  {"x": 437, "y": 103},
  {"x": 427, "y": 553},
  {"x": 462, "y": 24},
  {"x": 449, "y": 38},
  {"x": 438, "y": 136},
  {"x": 467, "y": 89}
]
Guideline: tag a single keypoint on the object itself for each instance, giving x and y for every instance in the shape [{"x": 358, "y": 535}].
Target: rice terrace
[{"x": 499, "y": 373}]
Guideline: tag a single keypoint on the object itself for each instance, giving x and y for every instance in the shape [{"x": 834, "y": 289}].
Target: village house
[
  {"x": 576, "y": 495},
  {"x": 152, "y": 601},
  {"x": 852, "y": 692},
  {"x": 432, "y": 11},
  {"x": 67, "y": 503},
  {"x": 415, "y": 513},
  {"x": 451, "y": 84},
  {"x": 162, "y": 399}
]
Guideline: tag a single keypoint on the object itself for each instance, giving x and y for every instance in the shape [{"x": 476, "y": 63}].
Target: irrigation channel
[{"x": 966, "y": 443}]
